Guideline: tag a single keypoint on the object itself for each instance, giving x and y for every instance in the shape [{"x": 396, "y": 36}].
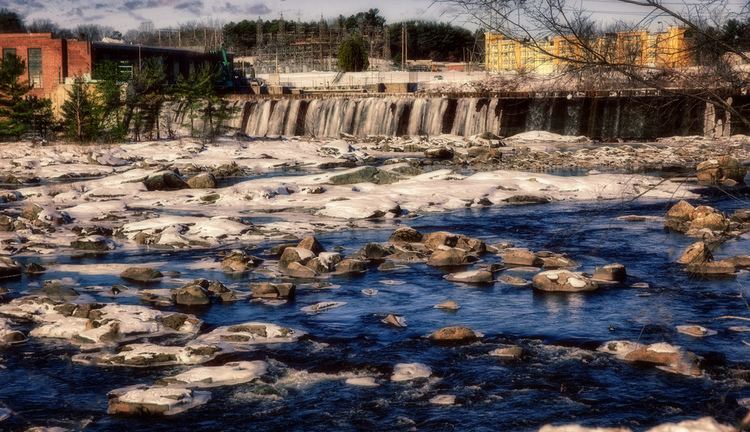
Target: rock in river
[
  {"x": 610, "y": 273},
  {"x": 204, "y": 180},
  {"x": 664, "y": 356},
  {"x": 141, "y": 274},
  {"x": 268, "y": 290},
  {"x": 450, "y": 257},
  {"x": 155, "y": 400},
  {"x": 696, "y": 253},
  {"x": 9, "y": 268},
  {"x": 471, "y": 277},
  {"x": 455, "y": 334},
  {"x": 216, "y": 376},
  {"x": 165, "y": 181},
  {"x": 563, "y": 281},
  {"x": 410, "y": 371}
]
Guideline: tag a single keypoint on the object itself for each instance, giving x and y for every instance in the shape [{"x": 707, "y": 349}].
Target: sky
[{"x": 124, "y": 15}]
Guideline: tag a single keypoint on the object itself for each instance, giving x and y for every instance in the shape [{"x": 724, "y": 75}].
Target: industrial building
[
  {"x": 641, "y": 48},
  {"x": 51, "y": 62}
]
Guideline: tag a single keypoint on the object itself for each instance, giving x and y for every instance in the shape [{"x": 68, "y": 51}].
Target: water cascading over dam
[{"x": 606, "y": 118}]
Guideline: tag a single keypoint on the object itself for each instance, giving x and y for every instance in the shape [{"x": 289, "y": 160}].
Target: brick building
[{"x": 51, "y": 61}]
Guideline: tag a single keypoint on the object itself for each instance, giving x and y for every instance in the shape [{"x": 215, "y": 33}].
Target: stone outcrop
[
  {"x": 165, "y": 181},
  {"x": 141, "y": 274},
  {"x": 664, "y": 356},
  {"x": 563, "y": 281},
  {"x": 724, "y": 170},
  {"x": 610, "y": 273},
  {"x": 204, "y": 180},
  {"x": 273, "y": 291},
  {"x": 454, "y": 334}
]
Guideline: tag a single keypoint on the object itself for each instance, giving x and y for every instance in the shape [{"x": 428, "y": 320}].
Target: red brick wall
[
  {"x": 79, "y": 58},
  {"x": 54, "y": 67}
]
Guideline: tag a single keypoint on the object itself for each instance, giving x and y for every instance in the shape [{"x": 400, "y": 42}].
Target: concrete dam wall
[{"x": 607, "y": 118}]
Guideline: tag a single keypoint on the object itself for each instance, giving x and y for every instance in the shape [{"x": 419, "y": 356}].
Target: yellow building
[{"x": 641, "y": 48}]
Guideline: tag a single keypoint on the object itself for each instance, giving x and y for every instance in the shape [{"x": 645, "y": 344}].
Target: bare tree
[{"x": 705, "y": 67}]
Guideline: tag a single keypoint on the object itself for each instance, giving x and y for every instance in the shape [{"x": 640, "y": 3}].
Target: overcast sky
[{"x": 129, "y": 14}]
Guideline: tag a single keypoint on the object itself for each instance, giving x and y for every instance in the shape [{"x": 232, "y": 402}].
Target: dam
[{"x": 602, "y": 115}]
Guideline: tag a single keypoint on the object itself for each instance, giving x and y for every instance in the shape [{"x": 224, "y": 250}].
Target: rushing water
[
  {"x": 608, "y": 118},
  {"x": 551, "y": 384}
]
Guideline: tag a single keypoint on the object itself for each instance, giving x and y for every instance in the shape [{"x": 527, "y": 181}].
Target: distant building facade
[{"x": 642, "y": 48}]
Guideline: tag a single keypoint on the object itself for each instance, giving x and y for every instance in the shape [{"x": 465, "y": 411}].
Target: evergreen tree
[
  {"x": 353, "y": 55},
  {"x": 145, "y": 97},
  {"x": 80, "y": 112},
  {"x": 109, "y": 88}
]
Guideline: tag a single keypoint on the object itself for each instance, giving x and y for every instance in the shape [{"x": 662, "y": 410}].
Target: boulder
[
  {"x": 410, "y": 371},
  {"x": 204, "y": 180},
  {"x": 436, "y": 240},
  {"x": 93, "y": 243},
  {"x": 705, "y": 217},
  {"x": 350, "y": 267},
  {"x": 366, "y": 174},
  {"x": 233, "y": 373},
  {"x": 696, "y": 253},
  {"x": 35, "y": 269},
  {"x": 191, "y": 295},
  {"x": 454, "y": 334},
  {"x": 471, "y": 244},
  {"x": 741, "y": 261},
  {"x": 664, "y": 356},
  {"x": 165, "y": 181},
  {"x": 143, "y": 400},
  {"x": 9, "y": 268},
  {"x": 610, "y": 273},
  {"x": 695, "y": 330},
  {"x": 141, "y": 274},
  {"x": 297, "y": 270},
  {"x": 558, "y": 262},
  {"x": 527, "y": 199},
  {"x": 472, "y": 277},
  {"x": 405, "y": 235},
  {"x": 513, "y": 280},
  {"x": 295, "y": 255},
  {"x": 520, "y": 257},
  {"x": 312, "y": 244},
  {"x": 30, "y": 211},
  {"x": 713, "y": 268},
  {"x": 238, "y": 261},
  {"x": 679, "y": 216},
  {"x": 439, "y": 153},
  {"x": 705, "y": 424},
  {"x": 448, "y": 305},
  {"x": 509, "y": 352},
  {"x": 394, "y": 320},
  {"x": 268, "y": 290},
  {"x": 450, "y": 257},
  {"x": 325, "y": 262},
  {"x": 721, "y": 169},
  {"x": 443, "y": 399},
  {"x": 563, "y": 281},
  {"x": 374, "y": 252}
]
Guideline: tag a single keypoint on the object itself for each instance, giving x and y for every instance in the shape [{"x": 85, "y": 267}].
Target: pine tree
[
  {"x": 11, "y": 96},
  {"x": 80, "y": 112},
  {"x": 353, "y": 55}
]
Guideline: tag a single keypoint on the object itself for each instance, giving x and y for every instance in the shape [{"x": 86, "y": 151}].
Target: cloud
[{"x": 259, "y": 9}]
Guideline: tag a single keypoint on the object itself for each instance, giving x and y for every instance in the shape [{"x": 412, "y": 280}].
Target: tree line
[{"x": 115, "y": 105}]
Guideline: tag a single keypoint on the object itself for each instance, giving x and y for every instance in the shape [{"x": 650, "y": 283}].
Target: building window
[
  {"x": 8, "y": 51},
  {"x": 35, "y": 67}
]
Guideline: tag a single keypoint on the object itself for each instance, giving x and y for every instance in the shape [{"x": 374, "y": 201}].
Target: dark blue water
[{"x": 560, "y": 380}]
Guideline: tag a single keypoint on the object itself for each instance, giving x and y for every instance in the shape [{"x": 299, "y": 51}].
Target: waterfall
[{"x": 462, "y": 116}]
